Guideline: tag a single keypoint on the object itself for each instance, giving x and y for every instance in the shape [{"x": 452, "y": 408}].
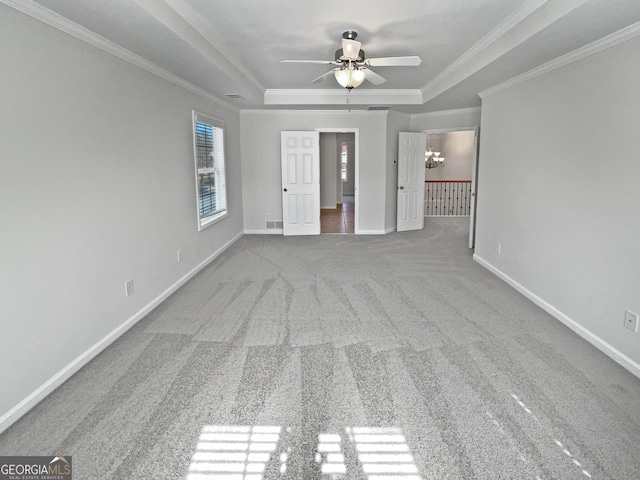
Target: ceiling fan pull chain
[{"x": 349, "y": 98}]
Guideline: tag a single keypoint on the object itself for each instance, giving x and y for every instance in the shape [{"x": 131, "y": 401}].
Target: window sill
[{"x": 207, "y": 222}]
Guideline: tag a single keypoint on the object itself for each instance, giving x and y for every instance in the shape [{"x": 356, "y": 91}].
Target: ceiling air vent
[
  {"x": 379, "y": 107},
  {"x": 234, "y": 96}
]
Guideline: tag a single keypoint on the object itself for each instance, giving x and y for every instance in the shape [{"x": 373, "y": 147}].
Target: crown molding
[
  {"x": 298, "y": 113},
  {"x": 85, "y": 35},
  {"x": 204, "y": 29},
  {"x": 489, "y": 39},
  {"x": 499, "y": 31},
  {"x": 339, "y": 96},
  {"x": 592, "y": 48},
  {"x": 523, "y": 24},
  {"x": 187, "y": 25}
]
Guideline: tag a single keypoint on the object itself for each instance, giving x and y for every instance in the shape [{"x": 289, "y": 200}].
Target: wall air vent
[
  {"x": 274, "y": 224},
  {"x": 379, "y": 107}
]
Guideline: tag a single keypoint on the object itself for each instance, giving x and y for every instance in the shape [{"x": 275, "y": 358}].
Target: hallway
[{"x": 338, "y": 220}]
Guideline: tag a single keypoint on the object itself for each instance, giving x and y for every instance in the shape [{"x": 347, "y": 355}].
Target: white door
[
  {"x": 474, "y": 176},
  {"x": 300, "y": 183},
  {"x": 411, "y": 149}
]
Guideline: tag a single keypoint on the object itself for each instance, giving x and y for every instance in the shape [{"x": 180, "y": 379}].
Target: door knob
[
  {"x": 401, "y": 187},
  {"x": 285, "y": 189}
]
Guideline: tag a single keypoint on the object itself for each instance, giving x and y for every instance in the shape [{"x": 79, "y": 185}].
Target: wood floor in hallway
[{"x": 337, "y": 220}]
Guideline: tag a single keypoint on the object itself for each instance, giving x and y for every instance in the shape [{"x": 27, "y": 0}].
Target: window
[
  {"x": 208, "y": 145},
  {"x": 343, "y": 157}
]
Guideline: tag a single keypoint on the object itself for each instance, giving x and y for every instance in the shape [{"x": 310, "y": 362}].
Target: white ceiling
[{"x": 235, "y": 47}]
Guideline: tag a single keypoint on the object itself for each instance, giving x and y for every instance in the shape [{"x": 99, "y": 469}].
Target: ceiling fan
[{"x": 353, "y": 68}]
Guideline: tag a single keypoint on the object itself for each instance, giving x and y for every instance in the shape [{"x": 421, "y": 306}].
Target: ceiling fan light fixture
[
  {"x": 351, "y": 49},
  {"x": 352, "y": 66},
  {"x": 350, "y": 77}
]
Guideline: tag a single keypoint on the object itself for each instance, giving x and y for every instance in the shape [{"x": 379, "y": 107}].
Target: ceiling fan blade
[
  {"x": 350, "y": 49},
  {"x": 323, "y": 76},
  {"x": 321, "y": 62},
  {"x": 373, "y": 77},
  {"x": 411, "y": 61}
]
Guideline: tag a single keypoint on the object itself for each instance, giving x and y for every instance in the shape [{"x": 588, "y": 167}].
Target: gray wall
[
  {"x": 331, "y": 185},
  {"x": 457, "y": 150},
  {"x": 96, "y": 188},
  {"x": 450, "y": 119},
  {"x": 559, "y": 181},
  {"x": 328, "y": 166},
  {"x": 261, "y": 164}
]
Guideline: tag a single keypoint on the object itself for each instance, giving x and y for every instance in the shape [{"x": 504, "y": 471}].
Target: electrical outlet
[
  {"x": 498, "y": 247},
  {"x": 128, "y": 288},
  {"x": 179, "y": 255},
  {"x": 631, "y": 320}
]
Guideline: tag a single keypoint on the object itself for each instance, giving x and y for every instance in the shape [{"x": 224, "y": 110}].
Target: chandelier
[{"x": 433, "y": 159}]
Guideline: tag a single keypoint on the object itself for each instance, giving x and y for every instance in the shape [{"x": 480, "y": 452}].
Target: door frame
[
  {"x": 356, "y": 159},
  {"x": 474, "y": 172}
]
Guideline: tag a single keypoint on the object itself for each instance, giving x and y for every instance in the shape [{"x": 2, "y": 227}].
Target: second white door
[{"x": 411, "y": 174}]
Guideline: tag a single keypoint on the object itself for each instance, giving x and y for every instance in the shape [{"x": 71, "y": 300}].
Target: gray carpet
[{"x": 391, "y": 357}]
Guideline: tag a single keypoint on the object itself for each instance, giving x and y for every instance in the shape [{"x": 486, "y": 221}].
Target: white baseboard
[
  {"x": 589, "y": 336},
  {"x": 270, "y": 231},
  {"x": 278, "y": 231},
  {"x": 59, "y": 378}
]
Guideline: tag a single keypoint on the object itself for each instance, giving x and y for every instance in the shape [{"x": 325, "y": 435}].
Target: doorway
[
  {"x": 337, "y": 220},
  {"x": 451, "y": 189},
  {"x": 338, "y": 181}
]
